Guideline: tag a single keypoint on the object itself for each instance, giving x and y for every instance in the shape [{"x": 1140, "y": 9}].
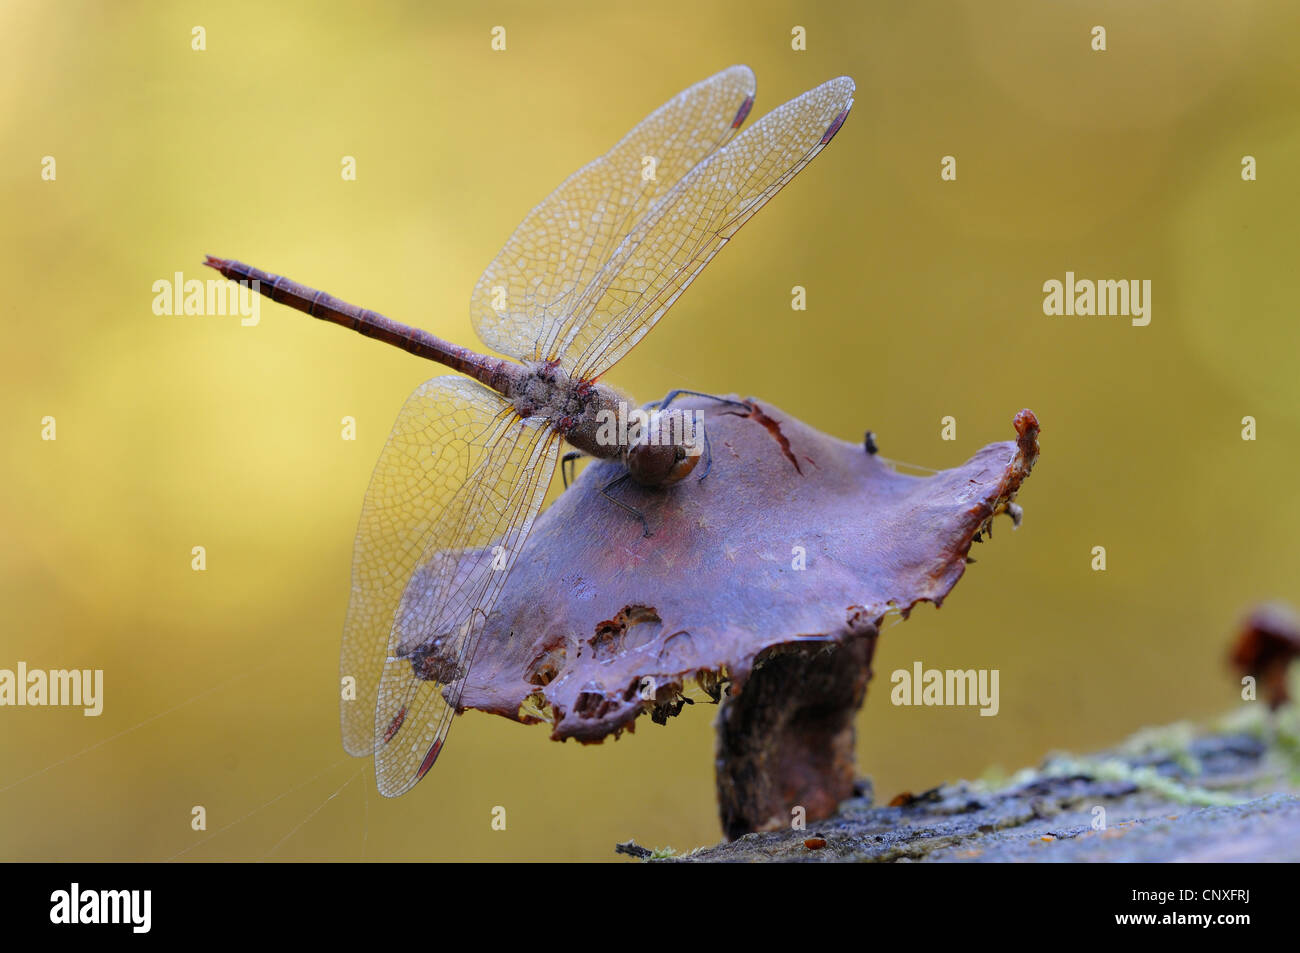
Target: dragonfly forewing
[
  {"x": 682, "y": 232},
  {"x": 563, "y": 243}
]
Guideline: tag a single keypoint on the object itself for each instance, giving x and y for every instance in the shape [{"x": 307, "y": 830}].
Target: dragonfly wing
[
  {"x": 682, "y": 232},
  {"x": 465, "y": 563},
  {"x": 533, "y": 283},
  {"x": 426, "y": 495}
]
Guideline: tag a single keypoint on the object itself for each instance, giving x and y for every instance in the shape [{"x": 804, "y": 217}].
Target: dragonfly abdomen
[{"x": 492, "y": 371}]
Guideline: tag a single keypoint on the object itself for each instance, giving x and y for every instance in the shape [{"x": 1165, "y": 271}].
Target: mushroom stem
[{"x": 785, "y": 738}]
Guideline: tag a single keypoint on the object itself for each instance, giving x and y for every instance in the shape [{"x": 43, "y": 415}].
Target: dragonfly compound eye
[
  {"x": 684, "y": 464},
  {"x": 650, "y": 464},
  {"x": 664, "y": 451}
]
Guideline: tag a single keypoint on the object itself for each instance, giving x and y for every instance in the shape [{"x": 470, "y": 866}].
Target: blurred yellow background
[{"x": 924, "y": 300}]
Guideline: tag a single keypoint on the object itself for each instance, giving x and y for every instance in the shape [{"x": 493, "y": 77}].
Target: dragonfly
[{"x": 471, "y": 456}]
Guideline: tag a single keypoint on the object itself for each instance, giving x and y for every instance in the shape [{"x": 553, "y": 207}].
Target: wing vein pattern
[
  {"x": 453, "y": 495},
  {"x": 682, "y": 232},
  {"x": 525, "y": 295}
]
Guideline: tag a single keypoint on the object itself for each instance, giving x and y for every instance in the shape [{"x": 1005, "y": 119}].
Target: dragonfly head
[{"x": 667, "y": 448}]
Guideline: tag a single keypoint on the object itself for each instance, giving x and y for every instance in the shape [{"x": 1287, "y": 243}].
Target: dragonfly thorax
[
  {"x": 574, "y": 409},
  {"x": 657, "y": 447}
]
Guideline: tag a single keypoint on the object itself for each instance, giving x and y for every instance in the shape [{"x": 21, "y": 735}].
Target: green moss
[
  {"x": 1249, "y": 719},
  {"x": 997, "y": 779},
  {"x": 1168, "y": 743},
  {"x": 1145, "y": 778},
  {"x": 1286, "y": 734},
  {"x": 1279, "y": 730},
  {"x": 1173, "y": 742},
  {"x": 994, "y": 777}
]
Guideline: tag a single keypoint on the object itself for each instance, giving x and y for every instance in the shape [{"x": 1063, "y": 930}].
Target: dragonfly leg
[
  {"x": 708, "y": 455},
  {"x": 674, "y": 394},
  {"x": 604, "y": 491},
  {"x": 567, "y": 461}
]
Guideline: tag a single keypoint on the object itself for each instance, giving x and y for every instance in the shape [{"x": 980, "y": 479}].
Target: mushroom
[
  {"x": 1267, "y": 644},
  {"x": 762, "y": 586}
]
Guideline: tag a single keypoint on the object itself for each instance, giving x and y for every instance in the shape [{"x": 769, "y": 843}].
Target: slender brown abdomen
[{"x": 495, "y": 372}]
